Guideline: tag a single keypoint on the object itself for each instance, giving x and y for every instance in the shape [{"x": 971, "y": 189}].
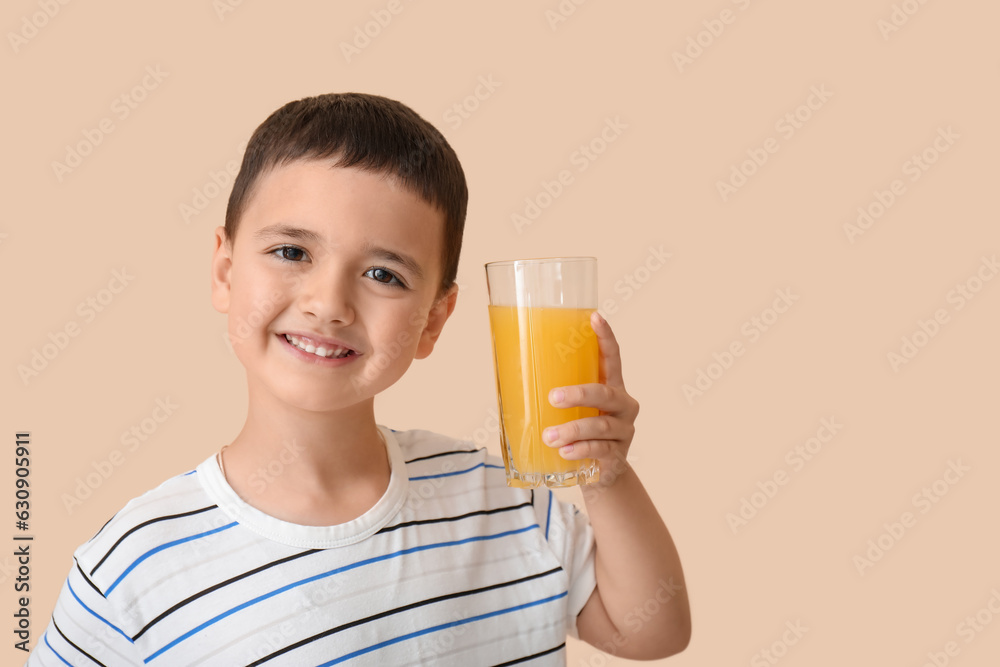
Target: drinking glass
[{"x": 540, "y": 325}]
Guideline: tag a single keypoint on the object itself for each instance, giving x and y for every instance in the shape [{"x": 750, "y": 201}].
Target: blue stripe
[
  {"x": 457, "y": 472},
  {"x": 45, "y": 637},
  {"x": 548, "y": 517},
  {"x": 95, "y": 614},
  {"x": 55, "y": 652},
  {"x": 443, "y": 626},
  {"x": 323, "y": 575},
  {"x": 161, "y": 548}
]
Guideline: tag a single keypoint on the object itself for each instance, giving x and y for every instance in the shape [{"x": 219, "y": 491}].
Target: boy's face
[{"x": 336, "y": 258}]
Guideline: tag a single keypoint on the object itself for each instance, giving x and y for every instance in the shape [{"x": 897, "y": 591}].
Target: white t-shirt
[{"x": 449, "y": 567}]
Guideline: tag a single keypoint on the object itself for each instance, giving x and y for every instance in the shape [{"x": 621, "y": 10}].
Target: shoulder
[
  {"x": 175, "y": 508},
  {"x": 430, "y": 455},
  {"x": 420, "y": 443},
  {"x": 443, "y": 471},
  {"x": 446, "y": 473},
  {"x": 426, "y": 452}
]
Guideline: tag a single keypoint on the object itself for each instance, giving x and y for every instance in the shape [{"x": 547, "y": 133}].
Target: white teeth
[{"x": 318, "y": 351}]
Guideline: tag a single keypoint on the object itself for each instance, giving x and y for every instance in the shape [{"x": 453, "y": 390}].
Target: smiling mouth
[{"x": 333, "y": 353}]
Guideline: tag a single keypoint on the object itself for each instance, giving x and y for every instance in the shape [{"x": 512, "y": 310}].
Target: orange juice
[{"x": 534, "y": 351}]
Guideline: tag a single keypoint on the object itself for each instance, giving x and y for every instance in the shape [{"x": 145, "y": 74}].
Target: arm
[{"x": 640, "y": 607}]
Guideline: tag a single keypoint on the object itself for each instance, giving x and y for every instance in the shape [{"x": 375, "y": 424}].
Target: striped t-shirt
[{"x": 449, "y": 567}]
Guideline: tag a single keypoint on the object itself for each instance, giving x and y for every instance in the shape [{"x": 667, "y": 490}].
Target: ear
[
  {"x": 438, "y": 315},
  {"x": 222, "y": 266}
]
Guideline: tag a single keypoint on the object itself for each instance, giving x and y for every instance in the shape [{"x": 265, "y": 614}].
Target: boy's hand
[
  {"x": 608, "y": 436},
  {"x": 634, "y": 554}
]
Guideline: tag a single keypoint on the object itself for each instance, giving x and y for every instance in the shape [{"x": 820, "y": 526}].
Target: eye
[
  {"x": 384, "y": 276},
  {"x": 289, "y": 253}
]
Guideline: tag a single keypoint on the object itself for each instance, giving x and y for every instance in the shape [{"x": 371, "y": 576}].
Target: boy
[{"x": 318, "y": 537}]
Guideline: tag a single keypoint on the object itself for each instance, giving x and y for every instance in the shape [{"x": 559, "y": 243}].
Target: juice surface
[{"x": 536, "y": 350}]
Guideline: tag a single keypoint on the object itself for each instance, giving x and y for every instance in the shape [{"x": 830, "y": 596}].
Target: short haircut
[{"x": 367, "y": 132}]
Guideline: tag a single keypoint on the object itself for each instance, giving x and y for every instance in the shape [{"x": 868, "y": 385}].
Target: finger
[
  {"x": 601, "y": 427},
  {"x": 591, "y": 395},
  {"x": 610, "y": 359},
  {"x": 588, "y": 449}
]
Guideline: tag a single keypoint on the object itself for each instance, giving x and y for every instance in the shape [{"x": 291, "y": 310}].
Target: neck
[{"x": 311, "y": 468}]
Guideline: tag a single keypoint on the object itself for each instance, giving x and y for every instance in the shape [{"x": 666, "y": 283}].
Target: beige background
[{"x": 681, "y": 131}]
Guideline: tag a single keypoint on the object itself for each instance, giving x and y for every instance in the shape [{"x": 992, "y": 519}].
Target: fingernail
[
  {"x": 550, "y": 434},
  {"x": 567, "y": 449},
  {"x": 557, "y": 396}
]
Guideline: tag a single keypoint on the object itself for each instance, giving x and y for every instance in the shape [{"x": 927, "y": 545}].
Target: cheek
[
  {"x": 416, "y": 324},
  {"x": 258, "y": 295},
  {"x": 417, "y": 320},
  {"x": 401, "y": 345},
  {"x": 403, "y": 342}
]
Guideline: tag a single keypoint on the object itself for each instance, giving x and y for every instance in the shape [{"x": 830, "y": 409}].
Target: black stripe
[
  {"x": 221, "y": 584},
  {"x": 456, "y": 451},
  {"x": 146, "y": 523},
  {"x": 531, "y": 657},
  {"x": 63, "y": 635},
  {"x": 87, "y": 579},
  {"x": 497, "y": 510},
  {"x": 397, "y": 610}
]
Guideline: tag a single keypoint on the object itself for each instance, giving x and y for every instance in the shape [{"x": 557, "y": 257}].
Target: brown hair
[{"x": 368, "y": 132}]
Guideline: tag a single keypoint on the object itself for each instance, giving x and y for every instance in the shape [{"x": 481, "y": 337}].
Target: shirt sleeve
[
  {"x": 571, "y": 538},
  {"x": 83, "y": 630}
]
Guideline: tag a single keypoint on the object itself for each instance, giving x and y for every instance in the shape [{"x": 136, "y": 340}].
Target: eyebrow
[
  {"x": 281, "y": 230},
  {"x": 286, "y": 231}
]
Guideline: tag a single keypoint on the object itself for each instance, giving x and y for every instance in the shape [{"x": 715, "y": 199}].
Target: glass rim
[{"x": 539, "y": 260}]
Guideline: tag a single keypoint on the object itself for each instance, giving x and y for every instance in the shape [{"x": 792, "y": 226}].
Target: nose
[{"x": 327, "y": 296}]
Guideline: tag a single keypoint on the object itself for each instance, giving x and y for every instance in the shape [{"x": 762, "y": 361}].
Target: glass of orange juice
[{"x": 540, "y": 324}]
